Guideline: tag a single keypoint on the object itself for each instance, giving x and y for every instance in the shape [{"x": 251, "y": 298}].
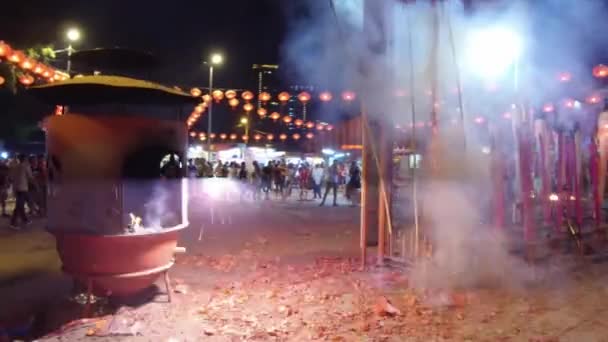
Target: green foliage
[{"x": 42, "y": 53}]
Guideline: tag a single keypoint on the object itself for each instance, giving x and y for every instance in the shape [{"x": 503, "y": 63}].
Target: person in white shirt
[
  {"x": 317, "y": 176},
  {"x": 21, "y": 176}
]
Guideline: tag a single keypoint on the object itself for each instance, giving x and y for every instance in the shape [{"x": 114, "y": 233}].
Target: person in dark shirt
[
  {"x": 171, "y": 168},
  {"x": 267, "y": 179}
]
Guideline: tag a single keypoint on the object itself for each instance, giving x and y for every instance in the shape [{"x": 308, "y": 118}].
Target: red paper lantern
[
  {"x": 39, "y": 69},
  {"x": 310, "y": 125},
  {"x": 5, "y": 49},
  {"x": 26, "y": 80},
  {"x": 296, "y": 136},
  {"x": 564, "y": 77},
  {"x": 506, "y": 115},
  {"x": 329, "y": 127},
  {"x": 200, "y": 108},
  {"x": 223, "y": 136},
  {"x": 193, "y": 134},
  {"x": 195, "y": 92},
  {"x": 245, "y": 138},
  {"x": 594, "y": 99},
  {"x": 325, "y": 96},
  {"x": 320, "y": 127},
  {"x": 27, "y": 64},
  {"x": 206, "y": 98},
  {"x": 348, "y": 96},
  {"x": 58, "y": 110},
  {"x": 283, "y": 137},
  {"x": 230, "y": 94},
  {"x": 298, "y": 122},
  {"x": 270, "y": 137},
  {"x": 247, "y": 95},
  {"x": 233, "y": 136},
  {"x": 600, "y": 71},
  {"x": 16, "y": 57},
  {"x": 548, "y": 108},
  {"x": 400, "y": 93},
  {"x": 212, "y": 135},
  {"x": 257, "y": 137},
  {"x": 265, "y": 97},
  {"x": 287, "y": 119},
  {"x": 248, "y": 107},
  {"x": 218, "y": 95},
  {"x": 284, "y": 97},
  {"x": 2, "y": 80},
  {"x": 233, "y": 103},
  {"x": 202, "y": 138},
  {"x": 309, "y": 135},
  {"x": 201, "y": 135},
  {"x": 304, "y": 97},
  {"x": 275, "y": 116},
  {"x": 569, "y": 103},
  {"x": 262, "y": 112},
  {"x": 478, "y": 120}
]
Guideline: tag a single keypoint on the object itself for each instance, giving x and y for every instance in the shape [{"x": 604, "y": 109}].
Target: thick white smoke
[{"x": 383, "y": 47}]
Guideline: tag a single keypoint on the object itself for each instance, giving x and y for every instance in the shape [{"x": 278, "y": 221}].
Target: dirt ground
[{"x": 290, "y": 272}]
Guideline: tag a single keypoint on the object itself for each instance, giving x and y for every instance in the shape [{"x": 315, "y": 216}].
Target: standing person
[
  {"x": 331, "y": 183},
  {"x": 267, "y": 180},
  {"x": 256, "y": 180},
  {"x": 354, "y": 182},
  {"x": 4, "y": 185},
  {"x": 171, "y": 168},
  {"x": 243, "y": 178},
  {"x": 317, "y": 178},
  {"x": 304, "y": 181},
  {"x": 219, "y": 169},
  {"x": 21, "y": 175}
]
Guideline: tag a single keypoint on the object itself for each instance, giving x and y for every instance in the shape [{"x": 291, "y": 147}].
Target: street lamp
[
  {"x": 491, "y": 52},
  {"x": 215, "y": 59},
  {"x": 73, "y": 35}
]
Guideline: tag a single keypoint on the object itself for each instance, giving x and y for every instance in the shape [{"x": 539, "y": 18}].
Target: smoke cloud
[{"x": 384, "y": 51}]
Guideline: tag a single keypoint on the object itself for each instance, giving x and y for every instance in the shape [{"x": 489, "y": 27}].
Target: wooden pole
[
  {"x": 364, "y": 189},
  {"x": 382, "y": 202}
]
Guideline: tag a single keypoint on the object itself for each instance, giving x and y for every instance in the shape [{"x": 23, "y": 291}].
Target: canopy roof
[{"x": 92, "y": 90}]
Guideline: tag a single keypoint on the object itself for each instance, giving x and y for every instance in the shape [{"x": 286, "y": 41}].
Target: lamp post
[
  {"x": 216, "y": 59},
  {"x": 73, "y": 35}
]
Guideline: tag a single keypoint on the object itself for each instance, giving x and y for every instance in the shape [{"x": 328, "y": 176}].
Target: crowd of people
[
  {"x": 282, "y": 180},
  {"x": 26, "y": 179}
]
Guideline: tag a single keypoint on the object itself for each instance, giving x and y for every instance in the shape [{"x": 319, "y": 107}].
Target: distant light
[
  {"x": 564, "y": 77},
  {"x": 507, "y": 115},
  {"x": 243, "y": 121},
  {"x": 485, "y": 150},
  {"x": 548, "y": 108},
  {"x": 4, "y": 155},
  {"x": 73, "y": 34},
  {"x": 577, "y": 104},
  {"x": 199, "y": 148},
  {"x": 491, "y": 52},
  {"x": 216, "y": 59},
  {"x": 479, "y": 120},
  {"x": 339, "y": 155},
  {"x": 328, "y": 151},
  {"x": 553, "y": 198}
]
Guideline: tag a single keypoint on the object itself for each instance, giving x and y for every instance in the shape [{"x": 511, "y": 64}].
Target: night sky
[{"x": 180, "y": 32}]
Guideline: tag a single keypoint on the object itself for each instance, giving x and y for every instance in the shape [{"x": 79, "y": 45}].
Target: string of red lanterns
[
  {"x": 257, "y": 137},
  {"x": 30, "y": 68}
]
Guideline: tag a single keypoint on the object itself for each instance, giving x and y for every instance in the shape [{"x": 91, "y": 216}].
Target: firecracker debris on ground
[{"x": 262, "y": 293}]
